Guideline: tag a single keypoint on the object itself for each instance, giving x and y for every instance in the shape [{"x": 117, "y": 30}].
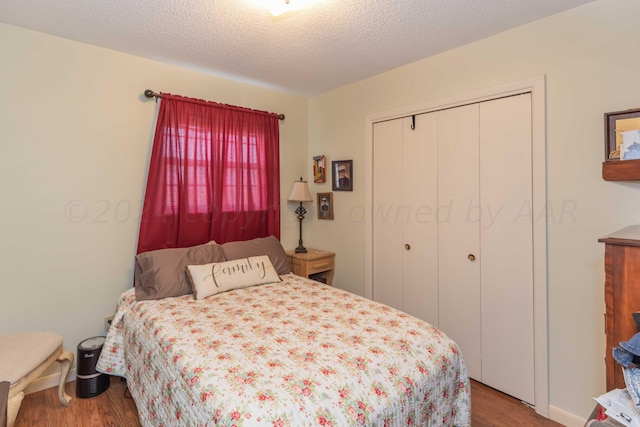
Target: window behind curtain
[{"x": 214, "y": 175}]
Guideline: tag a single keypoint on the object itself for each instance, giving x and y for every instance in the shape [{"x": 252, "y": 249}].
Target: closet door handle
[
  {"x": 407, "y": 246},
  {"x": 471, "y": 257}
]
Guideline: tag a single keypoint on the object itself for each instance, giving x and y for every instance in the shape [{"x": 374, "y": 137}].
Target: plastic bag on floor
[{"x": 619, "y": 406}]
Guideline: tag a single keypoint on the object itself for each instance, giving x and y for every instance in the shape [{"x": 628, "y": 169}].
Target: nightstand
[{"x": 315, "y": 264}]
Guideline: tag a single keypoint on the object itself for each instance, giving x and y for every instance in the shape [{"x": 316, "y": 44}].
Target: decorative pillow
[
  {"x": 211, "y": 279},
  {"x": 161, "y": 273},
  {"x": 260, "y": 246}
]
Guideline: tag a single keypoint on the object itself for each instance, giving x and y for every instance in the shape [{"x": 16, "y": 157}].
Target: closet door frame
[{"x": 535, "y": 86}]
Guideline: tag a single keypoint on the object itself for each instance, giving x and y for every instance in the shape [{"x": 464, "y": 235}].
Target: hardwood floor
[
  {"x": 112, "y": 408},
  {"x": 491, "y": 408}
]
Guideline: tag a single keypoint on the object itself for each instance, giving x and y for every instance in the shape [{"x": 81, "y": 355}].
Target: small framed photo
[
  {"x": 319, "y": 174},
  {"x": 342, "y": 175},
  {"x": 620, "y": 134},
  {"x": 325, "y": 205}
]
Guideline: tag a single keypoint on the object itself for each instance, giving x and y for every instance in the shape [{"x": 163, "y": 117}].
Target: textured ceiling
[{"x": 309, "y": 51}]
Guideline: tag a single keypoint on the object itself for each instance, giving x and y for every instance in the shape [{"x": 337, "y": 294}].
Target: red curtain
[{"x": 214, "y": 175}]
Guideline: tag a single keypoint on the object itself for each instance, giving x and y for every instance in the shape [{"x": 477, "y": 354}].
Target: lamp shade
[{"x": 300, "y": 192}]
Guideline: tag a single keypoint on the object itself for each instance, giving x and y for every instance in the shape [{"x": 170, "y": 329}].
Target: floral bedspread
[{"x": 294, "y": 353}]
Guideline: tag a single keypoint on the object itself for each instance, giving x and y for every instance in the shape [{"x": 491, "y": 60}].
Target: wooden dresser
[{"x": 621, "y": 294}]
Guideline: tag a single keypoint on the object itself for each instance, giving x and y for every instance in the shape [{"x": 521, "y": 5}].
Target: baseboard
[
  {"x": 565, "y": 418},
  {"x": 48, "y": 381}
]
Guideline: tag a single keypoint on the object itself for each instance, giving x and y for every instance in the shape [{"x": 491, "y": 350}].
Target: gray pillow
[
  {"x": 260, "y": 246},
  {"x": 162, "y": 273}
]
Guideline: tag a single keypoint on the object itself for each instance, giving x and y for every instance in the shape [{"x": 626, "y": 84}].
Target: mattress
[{"x": 293, "y": 353}]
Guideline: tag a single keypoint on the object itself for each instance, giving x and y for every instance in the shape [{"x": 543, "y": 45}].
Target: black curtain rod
[{"x": 151, "y": 94}]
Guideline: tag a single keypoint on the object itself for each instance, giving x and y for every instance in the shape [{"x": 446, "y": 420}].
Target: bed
[{"x": 294, "y": 352}]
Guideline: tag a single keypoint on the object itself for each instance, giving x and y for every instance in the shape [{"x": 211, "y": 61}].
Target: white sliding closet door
[
  {"x": 459, "y": 233},
  {"x": 387, "y": 229},
  {"x": 453, "y": 232},
  {"x": 507, "y": 246},
  {"x": 419, "y": 191},
  {"x": 405, "y": 257}
]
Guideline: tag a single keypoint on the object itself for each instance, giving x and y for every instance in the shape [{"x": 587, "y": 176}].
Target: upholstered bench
[{"x": 25, "y": 357}]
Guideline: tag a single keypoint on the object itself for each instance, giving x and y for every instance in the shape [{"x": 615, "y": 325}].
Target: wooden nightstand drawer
[{"x": 320, "y": 265}]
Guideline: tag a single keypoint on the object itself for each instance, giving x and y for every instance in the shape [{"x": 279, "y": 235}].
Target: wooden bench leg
[
  {"x": 65, "y": 360},
  {"x": 13, "y": 406}
]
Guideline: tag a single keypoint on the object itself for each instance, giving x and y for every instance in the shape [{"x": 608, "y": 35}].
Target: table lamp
[{"x": 300, "y": 193}]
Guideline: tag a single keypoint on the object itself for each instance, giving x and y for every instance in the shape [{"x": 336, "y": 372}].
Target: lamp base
[{"x": 301, "y": 211}]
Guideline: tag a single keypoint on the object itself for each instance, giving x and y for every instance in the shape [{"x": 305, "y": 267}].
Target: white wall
[
  {"x": 590, "y": 58},
  {"x": 76, "y": 132}
]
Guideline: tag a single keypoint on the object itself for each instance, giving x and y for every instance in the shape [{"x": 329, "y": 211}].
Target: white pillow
[{"x": 210, "y": 279}]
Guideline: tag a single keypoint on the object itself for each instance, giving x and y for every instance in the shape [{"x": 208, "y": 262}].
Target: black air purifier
[{"x": 89, "y": 382}]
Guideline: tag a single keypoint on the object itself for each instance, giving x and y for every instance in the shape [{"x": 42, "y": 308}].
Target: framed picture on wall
[
  {"x": 342, "y": 175},
  {"x": 319, "y": 174},
  {"x": 325, "y": 205},
  {"x": 618, "y": 126}
]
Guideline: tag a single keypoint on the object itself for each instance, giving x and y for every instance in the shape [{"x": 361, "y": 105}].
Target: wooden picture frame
[
  {"x": 342, "y": 175},
  {"x": 614, "y": 124},
  {"x": 319, "y": 169},
  {"x": 325, "y": 205}
]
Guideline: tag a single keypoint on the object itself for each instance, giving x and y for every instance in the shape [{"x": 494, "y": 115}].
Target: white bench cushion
[{"x": 22, "y": 353}]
